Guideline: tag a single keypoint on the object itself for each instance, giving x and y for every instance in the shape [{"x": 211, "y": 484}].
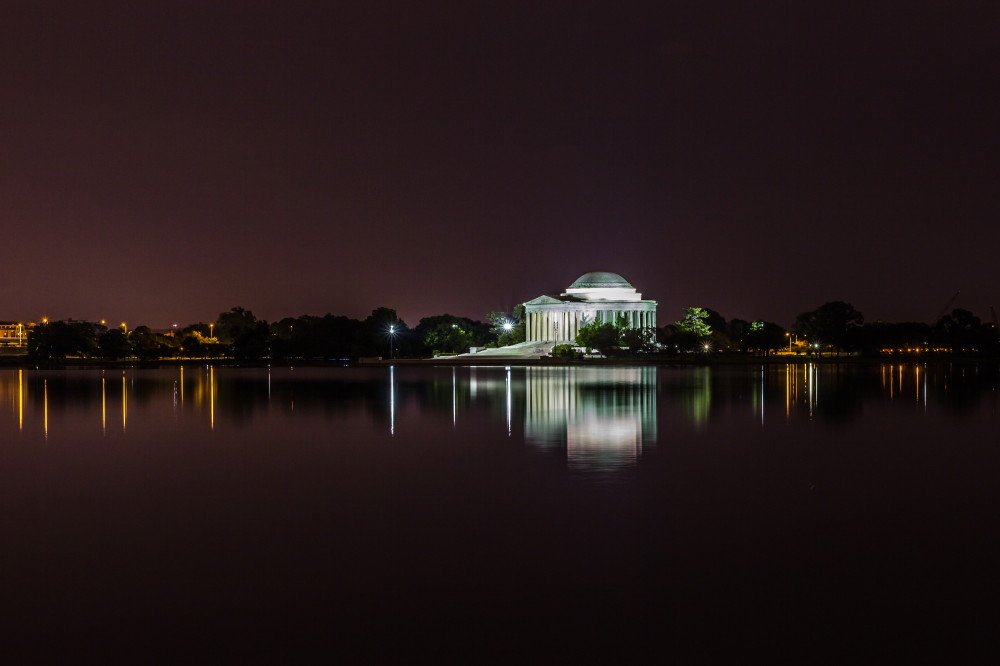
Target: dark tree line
[
  {"x": 834, "y": 327},
  {"x": 238, "y": 334}
]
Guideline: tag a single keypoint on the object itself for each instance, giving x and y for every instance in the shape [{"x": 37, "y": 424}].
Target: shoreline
[{"x": 717, "y": 359}]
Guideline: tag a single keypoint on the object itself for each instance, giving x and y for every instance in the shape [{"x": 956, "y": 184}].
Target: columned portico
[{"x": 600, "y": 296}]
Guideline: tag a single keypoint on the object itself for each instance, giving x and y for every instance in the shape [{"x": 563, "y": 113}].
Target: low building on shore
[{"x": 13, "y": 335}]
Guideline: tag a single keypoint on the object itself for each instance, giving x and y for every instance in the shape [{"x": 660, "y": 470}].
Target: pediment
[{"x": 544, "y": 300}]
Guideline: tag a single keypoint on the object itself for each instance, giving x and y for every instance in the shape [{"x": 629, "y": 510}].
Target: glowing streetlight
[
  {"x": 124, "y": 327},
  {"x": 211, "y": 330},
  {"x": 45, "y": 320},
  {"x": 507, "y": 326},
  {"x": 392, "y": 337}
]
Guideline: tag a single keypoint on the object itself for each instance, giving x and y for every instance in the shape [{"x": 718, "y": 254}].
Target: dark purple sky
[{"x": 163, "y": 161}]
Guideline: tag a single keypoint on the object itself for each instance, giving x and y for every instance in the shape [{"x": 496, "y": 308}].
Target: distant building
[
  {"x": 13, "y": 335},
  {"x": 598, "y": 296}
]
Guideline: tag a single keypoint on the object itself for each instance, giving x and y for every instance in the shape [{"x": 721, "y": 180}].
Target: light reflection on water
[
  {"x": 598, "y": 419},
  {"x": 760, "y": 504},
  {"x": 601, "y": 416}
]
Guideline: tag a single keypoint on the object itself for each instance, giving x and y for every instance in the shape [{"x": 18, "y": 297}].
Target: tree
[
  {"x": 379, "y": 338},
  {"x": 449, "y": 334},
  {"x": 602, "y": 337},
  {"x": 764, "y": 337},
  {"x": 695, "y": 322},
  {"x": 59, "y": 339},
  {"x": 508, "y": 328},
  {"x": 715, "y": 321},
  {"x": 246, "y": 336},
  {"x": 113, "y": 344},
  {"x": 962, "y": 330},
  {"x": 830, "y": 324},
  {"x": 147, "y": 345},
  {"x": 638, "y": 340}
]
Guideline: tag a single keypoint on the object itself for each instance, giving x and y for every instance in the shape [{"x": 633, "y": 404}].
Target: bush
[{"x": 566, "y": 351}]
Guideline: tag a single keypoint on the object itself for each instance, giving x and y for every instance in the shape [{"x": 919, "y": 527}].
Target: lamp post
[
  {"x": 392, "y": 337},
  {"x": 211, "y": 331}
]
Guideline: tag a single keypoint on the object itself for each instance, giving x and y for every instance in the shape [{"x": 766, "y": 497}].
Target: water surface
[{"x": 497, "y": 513}]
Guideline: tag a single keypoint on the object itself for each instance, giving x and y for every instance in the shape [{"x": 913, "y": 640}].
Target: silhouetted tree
[
  {"x": 147, "y": 345},
  {"x": 450, "y": 334},
  {"x": 830, "y": 324},
  {"x": 508, "y": 328},
  {"x": 764, "y": 337},
  {"x": 962, "y": 331},
  {"x": 59, "y": 339},
  {"x": 113, "y": 344},
  {"x": 246, "y": 336},
  {"x": 638, "y": 340}
]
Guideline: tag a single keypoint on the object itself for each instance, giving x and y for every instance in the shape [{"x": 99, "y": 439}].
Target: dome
[{"x": 600, "y": 280}]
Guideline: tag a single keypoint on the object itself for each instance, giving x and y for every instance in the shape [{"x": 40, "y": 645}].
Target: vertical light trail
[
  {"x": 508, "y": 402},
  {"x": 124, "y": 403},
  {"x": 392, "y": 400},
  {"x": 20, "y": 399},
  {"x": 925, "y": 387},
  {"x": 104, "y": 405},
  {"x": 211, "y": 394},
  {"x": 811, "y": 387}
]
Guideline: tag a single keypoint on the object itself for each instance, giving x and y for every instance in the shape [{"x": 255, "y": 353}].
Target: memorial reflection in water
[
  {"x": 602, "y": 416},
  {"x": 596, "y": 417}
]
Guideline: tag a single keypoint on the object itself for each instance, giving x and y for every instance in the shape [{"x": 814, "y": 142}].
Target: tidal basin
[{"x": 489, "y": 513}]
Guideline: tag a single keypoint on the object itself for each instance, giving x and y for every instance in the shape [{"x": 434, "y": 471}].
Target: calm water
[{"x": 492, "y": 514}]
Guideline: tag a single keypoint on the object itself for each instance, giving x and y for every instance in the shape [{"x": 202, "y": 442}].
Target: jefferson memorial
[{"x": 597, "y": 296}]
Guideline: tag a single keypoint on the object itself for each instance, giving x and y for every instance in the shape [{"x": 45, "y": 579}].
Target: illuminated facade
[
  {"x": 595, "y": 297},
  {"x": 13, "y": 335}
]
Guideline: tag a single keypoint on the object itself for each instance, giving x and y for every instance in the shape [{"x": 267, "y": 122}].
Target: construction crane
[{"x": 947, "y": 305}]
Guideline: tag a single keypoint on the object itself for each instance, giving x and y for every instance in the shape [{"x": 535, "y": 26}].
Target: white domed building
[{"x": 598, "y": 296}]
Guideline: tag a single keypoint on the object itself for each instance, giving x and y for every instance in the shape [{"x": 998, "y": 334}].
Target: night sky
[{"x": 161, "y": 162}]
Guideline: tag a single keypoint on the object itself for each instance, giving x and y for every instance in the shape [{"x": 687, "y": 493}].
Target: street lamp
[
  {"x": 211, "y": 331},
  {"x": 392, "y": 337}
]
